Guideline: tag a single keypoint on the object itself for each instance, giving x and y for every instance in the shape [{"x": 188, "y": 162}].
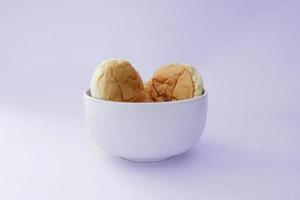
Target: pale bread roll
[{"x": 117, "y": 80}]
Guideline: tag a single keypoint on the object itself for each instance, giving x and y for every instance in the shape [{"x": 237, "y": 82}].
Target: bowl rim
[{"x": 87, "y": 95}]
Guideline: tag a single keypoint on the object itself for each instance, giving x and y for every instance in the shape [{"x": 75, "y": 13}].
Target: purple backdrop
[{"x": 246, "y": 51}]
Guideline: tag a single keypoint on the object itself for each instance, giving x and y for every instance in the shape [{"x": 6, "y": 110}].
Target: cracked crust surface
[
  {"x": 174, "y": 82},
  {"x": 117, "y": 80}
]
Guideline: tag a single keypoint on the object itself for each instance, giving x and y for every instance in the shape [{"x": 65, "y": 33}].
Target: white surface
[
  {"x": 247, "y": 52},
  {"x": 146, "y": 132}
]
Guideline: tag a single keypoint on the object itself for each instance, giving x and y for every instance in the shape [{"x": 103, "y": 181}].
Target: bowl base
[{"x": 147, "y": 160}]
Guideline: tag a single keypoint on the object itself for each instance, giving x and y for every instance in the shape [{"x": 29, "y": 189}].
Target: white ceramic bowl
[{"x": 146, "y": 132}]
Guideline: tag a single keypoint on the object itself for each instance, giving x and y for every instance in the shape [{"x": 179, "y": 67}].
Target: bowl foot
[{"x": 147, "y": 160}]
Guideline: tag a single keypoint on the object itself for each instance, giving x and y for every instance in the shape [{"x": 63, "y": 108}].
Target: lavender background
[{"x": 247, "y": 52}]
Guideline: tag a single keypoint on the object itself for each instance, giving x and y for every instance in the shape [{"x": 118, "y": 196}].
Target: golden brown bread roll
[
  {"x": 174, "y": 82},
  {"x": 117, "y": 80}
]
